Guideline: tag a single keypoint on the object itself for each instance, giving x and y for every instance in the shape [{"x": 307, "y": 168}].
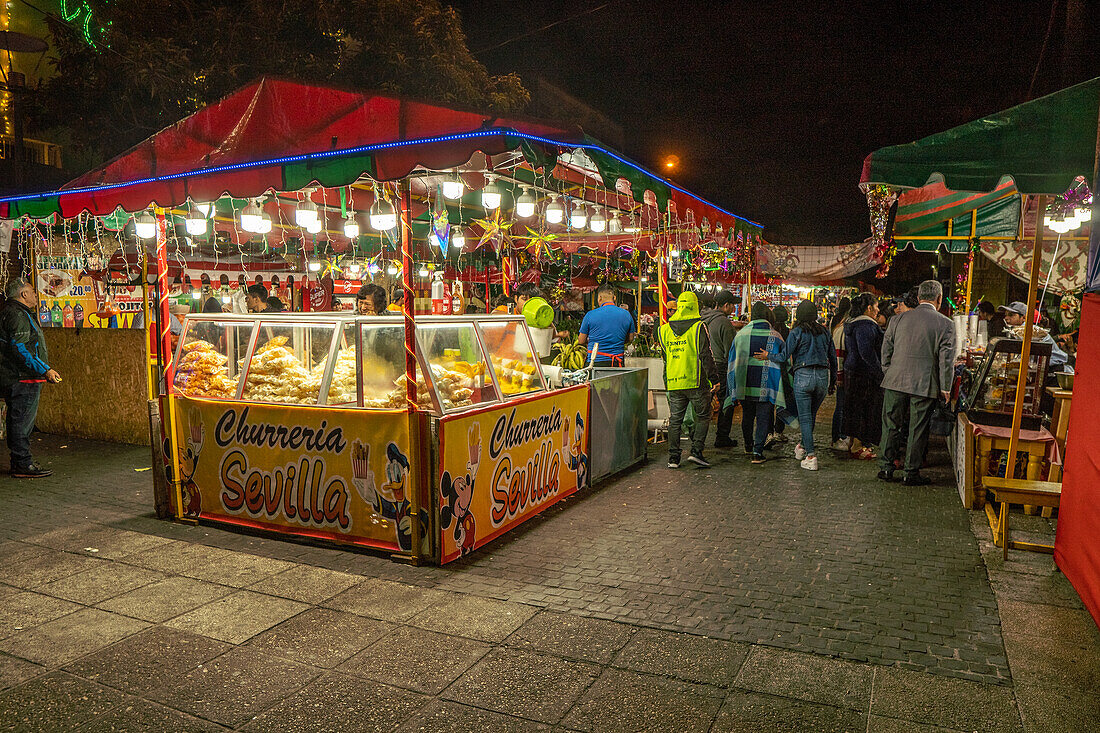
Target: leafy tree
[{"x": 156, "y": 61}]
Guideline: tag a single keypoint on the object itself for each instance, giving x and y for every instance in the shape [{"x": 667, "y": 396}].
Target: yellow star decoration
[
  {"x": 495, "y": 232},
  {"x": 538, "y": 241}
]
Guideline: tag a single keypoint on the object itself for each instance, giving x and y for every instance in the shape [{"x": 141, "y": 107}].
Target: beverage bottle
[
  {"x": 44, "y": 315},
  {"x": 67, "y": 316},
  {"x": 446, "y": 299},
  {"x": 458, "y": 307},
  {"x": 437, "y": 294},
  {"x": 56, "y": 315},
  {"x": 78, "y": 315}
]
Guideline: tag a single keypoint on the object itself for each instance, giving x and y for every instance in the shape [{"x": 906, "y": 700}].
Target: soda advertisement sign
[
  {"x": 69, "y": 298},
  {"x": 343, "y": 475},
  {"x": 502, "y": 466}
]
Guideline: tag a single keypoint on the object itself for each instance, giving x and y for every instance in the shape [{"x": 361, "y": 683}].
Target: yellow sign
[
  {"x": 342, "y": 475},
  {"x": 70, "y": 298},
  {"x": 501, "y": 466}
]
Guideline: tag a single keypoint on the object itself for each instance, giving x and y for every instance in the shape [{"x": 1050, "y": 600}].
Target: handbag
[{"x": 944, "y": 419}]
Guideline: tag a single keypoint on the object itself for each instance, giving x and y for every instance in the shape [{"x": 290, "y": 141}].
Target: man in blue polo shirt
[{"x": 609, "y": 327}]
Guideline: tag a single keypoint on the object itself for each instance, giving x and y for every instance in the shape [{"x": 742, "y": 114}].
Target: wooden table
[{"x": 1059, "y": 424}]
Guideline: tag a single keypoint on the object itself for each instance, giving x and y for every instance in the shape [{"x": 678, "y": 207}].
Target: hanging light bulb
[
  {"x": 226, "y": 299},
  {"x": 250, "y": 218},
  {"x": 525, "y": 204},
  {"x": 673, "y": 252},
  {"x": 555, "y": 214},
  {"x": 579, "y": 217},
  {"x": 458, "y": 239},
  {"x": 314, "y": 266},
  {"x": 391, "y": 269},
  {"x": 645, "y": 279},
  {"x": 145, "y": 226},
  {"x": 351, "y": 227},
  {"x": 314, "y": 227},
  {"x": 265, "y": 224},
  {"x": 423, "y": 272},
  {"x": 204, "y": 208},
  {"x": 1084, "y": 215},
  {"x": 598, "y": 222},
  {"x": 195, "y": 221},
  {"x": 453, "y": 187},
  {"x": 490, "y": 195},
  {"x": 354, "y": 267},
  {"x": 632, "y": 225},
  {"x": 615, "y": 225},
  {"x": 306, "y": 214},
  {"x": 383, "y": 217}
]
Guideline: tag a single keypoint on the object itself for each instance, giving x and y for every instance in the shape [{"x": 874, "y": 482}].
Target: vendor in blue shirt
[{"x": 607, "y": 326}]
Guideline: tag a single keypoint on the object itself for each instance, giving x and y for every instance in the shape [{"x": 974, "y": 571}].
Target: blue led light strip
[{"x": 305, "y": 157}]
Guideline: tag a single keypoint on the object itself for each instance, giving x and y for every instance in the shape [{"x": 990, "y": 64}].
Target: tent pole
[
  {"x": 970, "y": 259},
  {"x": 638, "y": 310},
  {"x": 662, "y": 281},
  {"x": 1025, "y": 349},
  {"x": 407, "y": 308}
]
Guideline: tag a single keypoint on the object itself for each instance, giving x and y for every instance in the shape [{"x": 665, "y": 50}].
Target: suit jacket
[{"x": 918, "y": 352}]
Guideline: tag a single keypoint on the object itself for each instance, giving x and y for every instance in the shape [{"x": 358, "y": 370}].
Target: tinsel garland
[{"x": 880, "y": 199}]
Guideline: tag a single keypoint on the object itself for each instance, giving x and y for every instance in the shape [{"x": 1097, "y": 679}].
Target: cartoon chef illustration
[
  {"x": 191, "y": 504},
  {"x": 458, "y": 493},
  {"x": 577, "y": 459}
]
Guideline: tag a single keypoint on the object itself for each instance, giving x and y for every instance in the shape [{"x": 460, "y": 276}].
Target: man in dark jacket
[
  {"x": 690, "y": 373},
  {"x": 717, "y": 320},
  {"x": 23, "y": 370}
]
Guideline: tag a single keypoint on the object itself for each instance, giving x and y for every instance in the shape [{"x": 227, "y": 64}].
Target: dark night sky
[{"x": 773, "y": 106}]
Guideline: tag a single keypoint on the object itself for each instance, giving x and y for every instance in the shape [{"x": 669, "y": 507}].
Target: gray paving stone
[
  {"x": 101, "y": 582},
  {"x": 14, "y": 671},
  {"x": 54, "y": 702},
  {"x": 33, "y": 569},
  {"x": 338, "y": 703},
  {"x": 1049, "y": 622},
  {"x": 1054, "y": 661},
  {"x": 383, "y": 599},
  {"x": 306, "y": 583},
  {"x": 142, "y": 716},
  {"x": 752, "y": 712},
  {"x": 443, "y": 716},
  {"x": 621, "y": 700},
  {"x": 24, "y": 609},
  {"x": 105, "y": 543},
  {"x": 472, "y": 617},
  {"x": 1046, "y": 708},
  {"x": 520, "y": 683},
  {"x": 235, "y": 687},
  {"x": 165, "y": 599},
  {"x": 148, "y": 660},
  {"x": 576, "y": 637},
  {"x": 691, "y": 658},
  {"x": 62, "y": 640},
  {"x": 237, "y": 569},
  {"x": 416, "y": 659},
  {"x": 806, "y": 677},
  {"x": 238, "y": 617},
  {"x": 951, "y": 703},
  {"x": 321, "y": 637},
  {"x": 879, "y": 724},
  {"x": 174, "y": 557}
]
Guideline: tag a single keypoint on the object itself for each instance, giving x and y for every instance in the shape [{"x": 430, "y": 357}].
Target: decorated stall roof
[{"x": 282, "y": 135}]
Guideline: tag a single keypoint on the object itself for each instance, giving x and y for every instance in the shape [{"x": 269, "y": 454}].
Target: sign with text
[
  {"x": 500, "y": 467},
  {"x": 343, "y": 475}
]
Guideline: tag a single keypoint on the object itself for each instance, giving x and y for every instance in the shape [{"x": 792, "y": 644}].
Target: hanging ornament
[
  {"x": 440, "y": 234},
  {"x": 495, "y": 232}
]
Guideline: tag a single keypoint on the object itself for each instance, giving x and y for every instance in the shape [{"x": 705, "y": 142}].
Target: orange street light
[{"x": 671, "y": 162}]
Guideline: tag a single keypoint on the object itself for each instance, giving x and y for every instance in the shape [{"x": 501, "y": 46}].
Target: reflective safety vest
[{"x": 682, "y": 367}]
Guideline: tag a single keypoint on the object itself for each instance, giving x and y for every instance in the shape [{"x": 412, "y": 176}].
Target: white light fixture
[
  {"x": 391, "y": 269},
  {"x": 204, "y": 208},
  {"x": 226, "y": 299},
  {"x": 579, "y": 217},
  {"x": 1084, "y": 215},
  {"x": 674, "y": 252},
  {"x": 598, "y": 222},
  {"x": 195, "y": 221},
  {"x": 265, "y": 224},
  {"x": 632, "y": 225},
  {"x": 525, "y": 204},
  {"x": 145, "y": 226},
  {"x": 314, "y": 227},
  {"x": 196, "y": 295},
  {"x": 250, "y": 218},
  {"x": 645, "y": 279},
  {"x": 615, "y": 225},
  {"x": 305, "y": 215},
  {"x": 382, "y": 215},
  {"x": 490, "y": 195},
  {"x": 354, "y": 267},
  {"x": 555, "y": 214},
  {"x": 423, "y": 272},
  {"x": 314, "y": 266},
  {"x": 351, "y": 227},
  {"x": 453, "y": 187},
  {"x": 458, "y": 239}
]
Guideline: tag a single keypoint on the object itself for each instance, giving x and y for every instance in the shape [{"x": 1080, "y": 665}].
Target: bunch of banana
[{"x": 570, "y": 356}]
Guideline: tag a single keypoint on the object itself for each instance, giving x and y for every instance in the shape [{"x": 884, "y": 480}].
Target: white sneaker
[
  {"x": 810, "y": 463},
  {"x": 843, "y": 444},
  {"x": 799, "y": 452}
]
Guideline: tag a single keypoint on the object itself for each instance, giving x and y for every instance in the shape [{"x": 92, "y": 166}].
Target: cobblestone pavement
[{"x": 736, "y": 598}]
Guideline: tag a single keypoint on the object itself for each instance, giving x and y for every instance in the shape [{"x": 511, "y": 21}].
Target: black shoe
[
  {"x": 699, "y": 461},
  {"x": 32, "y": 470},
  {"x": 727, "y": 443},
  {"x": 887, "y": 476},
  {"x": 758, "y": 458},
  {"x": 916, "y": 480}
]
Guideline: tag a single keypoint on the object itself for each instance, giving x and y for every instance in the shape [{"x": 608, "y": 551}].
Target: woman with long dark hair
[
  {"x": 809, "y": 348},
  {"x": 839, "y": 439},
  {"x": 863, "y": 377}
]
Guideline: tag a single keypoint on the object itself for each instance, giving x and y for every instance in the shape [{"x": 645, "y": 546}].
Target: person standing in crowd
[
  {"x": 275, "y": 304},
  {"x": 840, "y": 441},
  {"x": 1015, "y": 314},
  {"x": 918, "y": 354},
  {"x": 907, "y": 302},
  {"x": 781, "y": 317},
  {"x": 885, "y": 313},
  {"x": 690, "y": 373},
  {"x": 608, "y": 327},
  {"x": 255, "y": 299},
  {"x": 717, "y": 320},
  {"x": 370, "y": 300},
  {"x": 755, "y": 383},
  {"x": 863, "y": 377},
  {"x": 24, "y": 368},
  {"x": 809, "y": 347}
]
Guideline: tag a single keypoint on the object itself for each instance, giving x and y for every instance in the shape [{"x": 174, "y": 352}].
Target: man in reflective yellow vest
[{"x": 691, "y": 376}]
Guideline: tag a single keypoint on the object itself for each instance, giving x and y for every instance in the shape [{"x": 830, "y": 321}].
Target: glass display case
[
  {"x": 993, "y": 390},
  {"x": 356, "y": 361}
]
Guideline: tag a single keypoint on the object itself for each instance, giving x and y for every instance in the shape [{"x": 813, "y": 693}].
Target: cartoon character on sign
[
  {"x": 191, "y": 503},
  {"x": 390, "y": 499},
  {"x": 577, "y": 459},
  {"x": 458, "y": 493}
]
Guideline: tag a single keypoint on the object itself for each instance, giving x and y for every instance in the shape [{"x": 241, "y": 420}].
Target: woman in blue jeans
[{"x": 813, "y": 363}]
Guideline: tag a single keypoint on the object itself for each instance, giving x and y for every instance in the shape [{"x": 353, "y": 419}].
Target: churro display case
[
  {"x": 301, "y": 424},
  {"x": 992, "y": 389}
]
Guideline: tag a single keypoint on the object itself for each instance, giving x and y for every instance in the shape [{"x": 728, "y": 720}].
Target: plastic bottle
[
  {"x": 438, "y": 292},
  {"x": 446, "y": 299},
  {"x": 458, "y": 306},
  {"x": 56, "y": 315},
  {"x": 44, "y": 315},
  {"x": 67, "y": 315},
  {"x": 78, "y": 315}
]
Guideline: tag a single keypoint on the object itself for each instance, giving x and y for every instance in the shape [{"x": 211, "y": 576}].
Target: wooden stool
[{"x": 1018, "y": 491}]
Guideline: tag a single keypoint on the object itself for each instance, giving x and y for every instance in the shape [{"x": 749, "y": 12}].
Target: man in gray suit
[{"x": 917, "y": 358}]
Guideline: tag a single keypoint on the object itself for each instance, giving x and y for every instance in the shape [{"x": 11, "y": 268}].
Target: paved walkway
[{"x": 738, "y": 598}]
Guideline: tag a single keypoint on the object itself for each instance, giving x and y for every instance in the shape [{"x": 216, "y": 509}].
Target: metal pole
[
  {"x": 408, "y": 310},
  {"x": 641, "y": 269},
  {"x": 1025, "y": 349},
  {"x": 970, "y": 259},
  {"x": 147, "y": 326},
  {"x": 164, "y": 345}
]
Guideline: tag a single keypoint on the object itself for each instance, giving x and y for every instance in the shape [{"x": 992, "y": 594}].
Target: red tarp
[{"x": 1076, "y": 549}]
